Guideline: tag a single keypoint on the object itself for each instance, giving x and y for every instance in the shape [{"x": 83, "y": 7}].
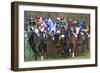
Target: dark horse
[
  {"x": 34, "y": 43},
  {"x": 43, "y": 45},
  {"x": 82, "y": 42},
  {"x": 38, "y": 44}
]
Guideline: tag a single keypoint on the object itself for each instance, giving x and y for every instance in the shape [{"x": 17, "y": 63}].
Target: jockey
[
  {"x": 83, "y": 27},
  {"x": 74, "y": 26},
  {"x": 50, "y": 25},
  {"x": 32, "y": 24},
  {"x": 70, "y": 25},
  {"x": 63, "y": 22},
  {"x": 81, "y": 24},
  {"x": 85, "y": 30},
  {"x": 31, "y": 19},
  {"x": 41, "y": 23},
  {"x": 58, "y": 21},
  {"x": 77, "y": 30}
]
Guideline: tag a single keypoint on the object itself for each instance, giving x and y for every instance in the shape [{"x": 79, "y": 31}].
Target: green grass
[
  {"x": 85, "y": 55},
  {"x": 28, "y": 54}
]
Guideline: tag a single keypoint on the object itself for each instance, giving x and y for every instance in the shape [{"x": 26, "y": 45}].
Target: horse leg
[
  {"x": 45, "y": 51},
  {"x": 70, "y": 49},
  {"x": 73, "y": 54},
  {"x": 35, "y": 53},
  {"x": 37, "y": 50},
  {"x": 67, "y": 51},
  {"x": 73, "y": 50},
  {"x": 41, "y": 51},
  {"x": 43, "y": 48},
  {"x": 78, "y": 49}
]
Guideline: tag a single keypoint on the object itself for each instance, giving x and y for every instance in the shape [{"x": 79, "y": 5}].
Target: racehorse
[
  {"x": 71, "y": 39},
  {"x": 63, "y": 40},
  {"x": 83, "y": 40},
  {"x": 73, "y": 42},
  {"x": 86, "y": 34},
  {"x": 57, "y": 43},
  {"x": 43, "y": 45},
  {"x": 38, "y": 43},
  {"x": 34, "y": 43}
]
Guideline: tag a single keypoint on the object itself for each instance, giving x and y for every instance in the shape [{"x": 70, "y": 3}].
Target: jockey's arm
[{"x": 86, "y": 29}]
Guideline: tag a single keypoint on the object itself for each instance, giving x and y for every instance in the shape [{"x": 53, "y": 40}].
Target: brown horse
[
  {"x": 57, "y": 43},
  {"x": 61, "y": 42},
  {"x": 73, "y": 43}
]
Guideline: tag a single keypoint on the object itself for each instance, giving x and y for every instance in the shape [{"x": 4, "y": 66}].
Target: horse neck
[
  {"x": 86, "y": 35},
  {"x": 80, "y": 35},
  {"x": 33, "y": 37},
  {"x": 35, "y": 34},
  {"x": 72, "y": 35},
  {"x": 57, "y": 37},
  {"x": 43, "y": 35}
]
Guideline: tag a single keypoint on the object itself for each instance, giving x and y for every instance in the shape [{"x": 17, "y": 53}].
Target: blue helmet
[{"x": 81, "y": 22}]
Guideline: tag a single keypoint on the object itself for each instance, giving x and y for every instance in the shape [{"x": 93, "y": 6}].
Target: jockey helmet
[
  {"x": 70, "y": 20},
  {"x": 81, "y": 22},
  {"x": 37, "y": 17},
  {"x": 31, "y": 18},
  {"x": 74, "y": 22},
  {"x": 61, "y": 17}
]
